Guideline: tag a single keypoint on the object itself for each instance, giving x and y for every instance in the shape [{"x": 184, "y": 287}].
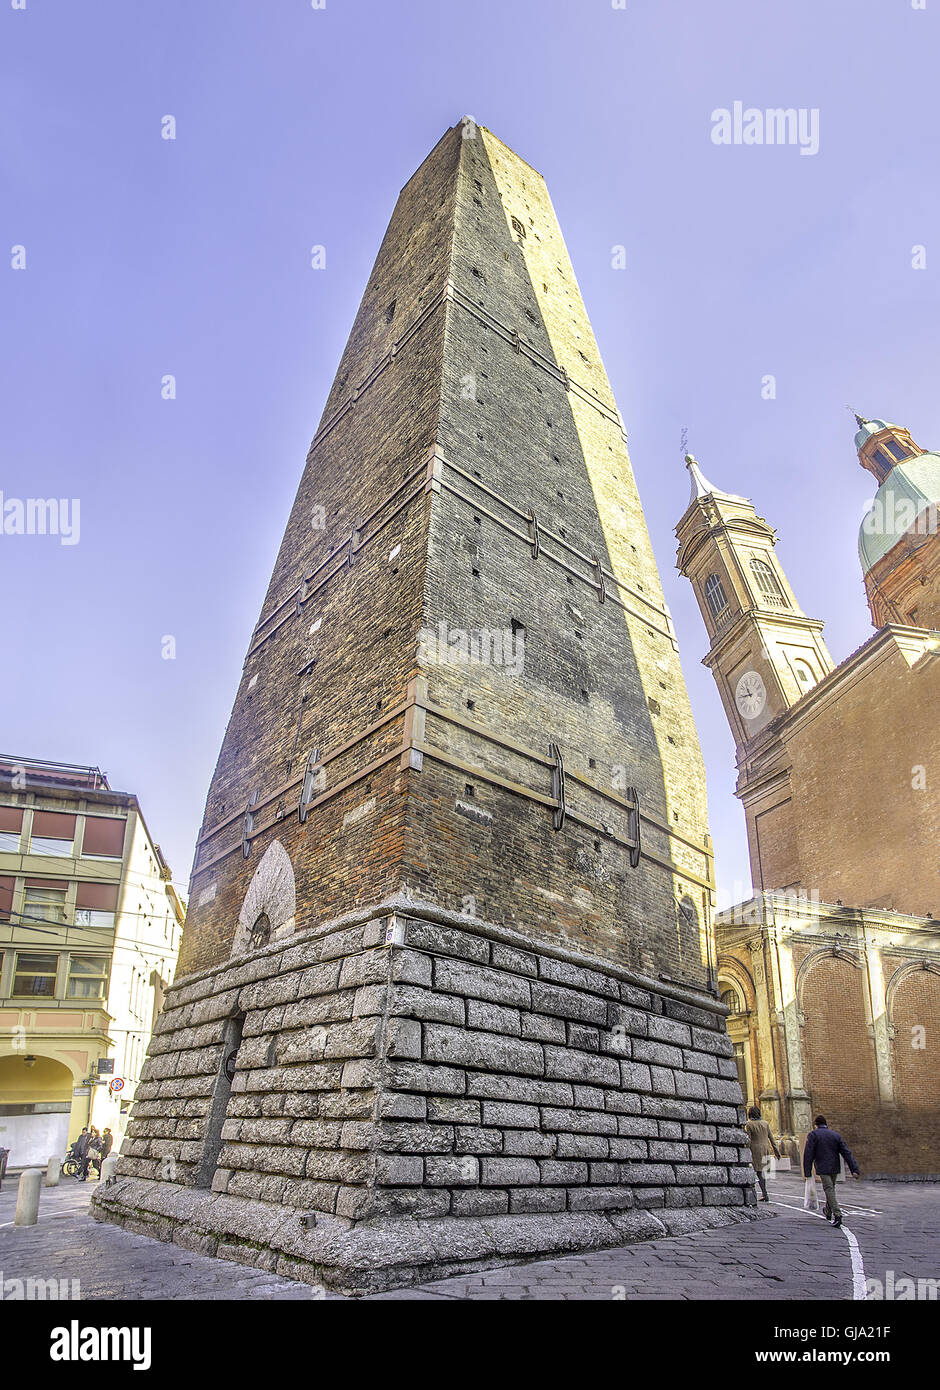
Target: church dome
[{"x": 910, "y": 490}]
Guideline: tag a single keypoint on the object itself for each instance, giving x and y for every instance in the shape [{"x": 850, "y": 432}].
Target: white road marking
[{"x": 859, "y": 1287}]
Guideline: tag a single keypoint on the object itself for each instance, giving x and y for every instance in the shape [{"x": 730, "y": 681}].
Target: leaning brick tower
[{"x": 446, "y": 990}]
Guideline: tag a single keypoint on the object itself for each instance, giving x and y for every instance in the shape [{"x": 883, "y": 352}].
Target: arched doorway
[{"x": 35, "y": 1105}]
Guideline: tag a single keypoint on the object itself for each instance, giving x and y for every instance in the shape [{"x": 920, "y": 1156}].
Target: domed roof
[
  {"x": 909, "y": 489},
  {"x": 869, "y": 427}
]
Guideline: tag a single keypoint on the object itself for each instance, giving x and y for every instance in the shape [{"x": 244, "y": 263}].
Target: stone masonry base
[
  {"x": 371, "y": 1257},
  {"x": 417, "y": 1094}
]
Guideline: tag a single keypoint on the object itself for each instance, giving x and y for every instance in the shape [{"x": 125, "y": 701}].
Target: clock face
[{"x": 750, "y": 694}]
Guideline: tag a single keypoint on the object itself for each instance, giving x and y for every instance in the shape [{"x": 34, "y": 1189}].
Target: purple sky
[{"x": 295, "y": 126}]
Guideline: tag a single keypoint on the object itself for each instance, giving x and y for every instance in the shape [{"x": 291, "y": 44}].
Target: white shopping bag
[{"x": 810, "y": 1200}]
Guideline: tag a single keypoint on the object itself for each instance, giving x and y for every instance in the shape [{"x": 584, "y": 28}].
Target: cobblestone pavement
[{"x": 796, "y": 1255}]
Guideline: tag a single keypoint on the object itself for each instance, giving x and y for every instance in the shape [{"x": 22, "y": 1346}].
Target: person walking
[
  {"x": 762, "y": 1146},
  {"x": 107, "y": 1143},
  {"x": 823, "y": 1147}
]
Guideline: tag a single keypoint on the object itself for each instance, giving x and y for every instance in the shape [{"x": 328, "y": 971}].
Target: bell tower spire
[
  {"x": 701, "y": 487},
  {"x": 764, "y": 651}
]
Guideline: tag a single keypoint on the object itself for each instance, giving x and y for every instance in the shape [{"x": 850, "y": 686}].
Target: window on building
[
  {"x": 44, "y": 901},
  {"x": 715, "y": 595},
  {"x": 88, "y": 977},
  {"x": 11, "y": 827},
  {"x": 53, "y": 833},
  {"x": 730, "y": 1000},
  {"x": 91, "y": 917},
  {"x": 804, "y": 674},
  {"x": 899, "y": 450},
  {"x": 34, "y": 975},
  {"x": 103, "y": 837},
  {"x": 95, "y": 904},
  {"x": 769, "y": 585},
  {"x": 517, "y": 227}
]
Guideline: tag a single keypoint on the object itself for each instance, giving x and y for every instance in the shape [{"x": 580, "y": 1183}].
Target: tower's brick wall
[
  {"x": 496, "y": 377},
  {"x": 598, "y": 680}
]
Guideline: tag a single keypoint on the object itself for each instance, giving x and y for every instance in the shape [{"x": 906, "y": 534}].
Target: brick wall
[{"x": 337, "y": 643}]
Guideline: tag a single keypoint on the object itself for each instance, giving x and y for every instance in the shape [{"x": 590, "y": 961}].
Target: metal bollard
[
  {"x": 108, "y": 1166},
  {"x": 53, "y": 1172},
  {"x": 27, "y": 1198}
]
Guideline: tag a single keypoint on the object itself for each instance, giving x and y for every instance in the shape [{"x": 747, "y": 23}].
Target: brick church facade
[
  {"x": 447, "y": 994},
  {"x": 832, "y": 970}
]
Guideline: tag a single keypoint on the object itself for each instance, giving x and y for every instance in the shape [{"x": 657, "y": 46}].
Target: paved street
[{"x": 889, "y": 1227}]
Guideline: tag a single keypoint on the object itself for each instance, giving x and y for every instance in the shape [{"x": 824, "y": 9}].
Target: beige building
[
  {"x": 832, "y": 970},
  {"x": 90, "y": 927}
]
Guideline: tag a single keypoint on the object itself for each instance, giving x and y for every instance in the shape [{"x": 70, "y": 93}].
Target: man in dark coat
[
  {"x": 80, "y": 1153},
  {"x": 824, "y": 1147}
]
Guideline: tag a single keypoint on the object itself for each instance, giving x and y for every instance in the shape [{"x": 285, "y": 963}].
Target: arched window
[
  {"x": 731, "y": 1001},
  {"x": 768, "y": 583},
  {"x": 804, "y": 674},
  {"x": 715, "y": 595}
]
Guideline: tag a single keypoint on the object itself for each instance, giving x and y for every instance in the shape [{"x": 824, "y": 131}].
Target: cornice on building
[{"x": 763, "y": 911}]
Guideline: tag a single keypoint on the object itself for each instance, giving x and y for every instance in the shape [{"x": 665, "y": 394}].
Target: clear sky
[{"x": 297, "y": 126}]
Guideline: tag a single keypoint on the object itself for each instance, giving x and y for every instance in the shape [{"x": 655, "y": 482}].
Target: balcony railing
[{"x": 54, "y": 774}]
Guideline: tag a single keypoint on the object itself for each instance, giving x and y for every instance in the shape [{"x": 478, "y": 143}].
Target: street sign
[
  {"x": 105, "y": 1066},
  {"x": 81, "y": 1091},
  {"x": 117, "y": 1084}
]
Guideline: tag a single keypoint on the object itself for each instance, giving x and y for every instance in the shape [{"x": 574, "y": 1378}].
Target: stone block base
[
  {"x": 403, "y": 1094},
  {"x": 370, "y": 1257}
]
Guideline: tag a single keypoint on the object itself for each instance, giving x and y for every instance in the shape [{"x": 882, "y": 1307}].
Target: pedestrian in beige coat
[{"x": 762, "y": 1146}]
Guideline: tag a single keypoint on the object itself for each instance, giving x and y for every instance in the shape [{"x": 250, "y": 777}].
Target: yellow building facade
[{"x": 90, "y": 928}]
